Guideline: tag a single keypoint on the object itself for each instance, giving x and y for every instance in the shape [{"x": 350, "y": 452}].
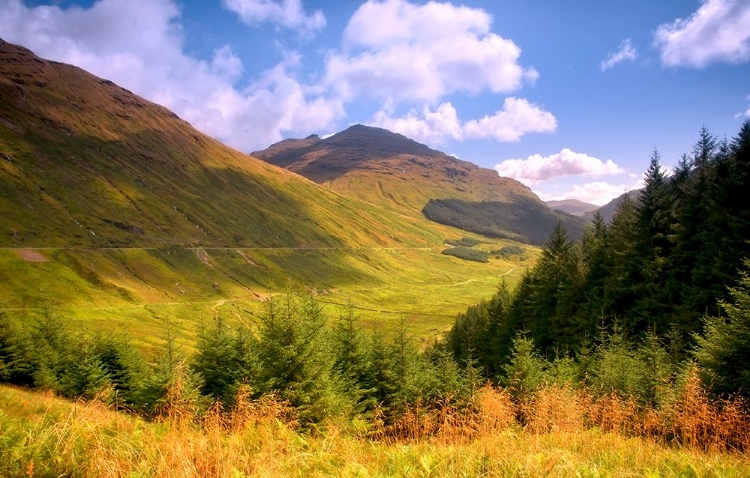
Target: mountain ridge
[
  {"x": 92, "y": 164},
  {"x": 575, "y": 207},
  {"x": 397, "y": 173}
]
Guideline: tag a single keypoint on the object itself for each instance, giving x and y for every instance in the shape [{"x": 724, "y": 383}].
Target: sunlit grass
[
  {"x": 133, "y": 291},
  {"x": 44, "y": 436}
]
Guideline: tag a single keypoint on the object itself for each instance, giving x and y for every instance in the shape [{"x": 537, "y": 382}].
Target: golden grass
[{"x": 561, "y": 432}]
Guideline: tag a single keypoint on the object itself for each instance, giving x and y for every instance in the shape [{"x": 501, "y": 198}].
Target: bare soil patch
[{"x": 30, "y": 255}]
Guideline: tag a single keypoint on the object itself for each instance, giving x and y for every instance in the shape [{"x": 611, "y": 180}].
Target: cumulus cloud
[
  {"x": 599, "y": 193},
  {"x": 287, "y": 13},
  {"x": 537, "y": 168},
  {"x": 626, "y": 52},
  {"x": 517, "y": 118},
  {"x": 423, "y": 52},
  {"x": 719, "y": 31},
  {"x": 153, "y": 64}
]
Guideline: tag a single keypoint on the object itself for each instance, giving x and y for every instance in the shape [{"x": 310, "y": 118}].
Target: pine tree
[
  {"x": 621, "y": 285},
  {"x": 652, "y": 250},
  {"x": 524, "y": 373},
  {"x": 224, "y": 360},
  {"x": 723, "y": 350},
  {"x": 123, "y": 364},
  {"x": 295, "y": 356},
  {"x": 352, "y": 361},
  {"x": 596, "y": 256}
]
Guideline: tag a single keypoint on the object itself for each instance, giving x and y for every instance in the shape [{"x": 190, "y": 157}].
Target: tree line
[{"x": 667, "y": 270}]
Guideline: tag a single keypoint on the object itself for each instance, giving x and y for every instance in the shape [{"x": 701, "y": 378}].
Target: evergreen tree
[
  {"x": 169, "y": 388},
  {"x": 723, "y": 350},
  {"x": 652, "y": 249},
  {"x": 82, "y": 374},
  {"x": 525, "y": 372},
  {"x": 352, "y": 362},
  {"x": 224, "y": 360},
  {"x": 621, "y": 285},
  {"x": 596, "y": 256},
  {"x": 123, "y": 365},
  {"x": 295, "y": 356}
]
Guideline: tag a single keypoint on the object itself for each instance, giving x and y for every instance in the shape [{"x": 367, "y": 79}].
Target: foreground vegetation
[{"x": 44, "y": 436}]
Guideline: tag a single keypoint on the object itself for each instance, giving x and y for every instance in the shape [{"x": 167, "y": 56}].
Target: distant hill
[
  {"x": 572, "y": 206},
  {"x": 608, "y": 210},
  {"x": 400, "y": 174},
  {"x": 390, "y": 169}
]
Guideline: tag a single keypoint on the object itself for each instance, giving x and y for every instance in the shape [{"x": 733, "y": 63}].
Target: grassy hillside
[
  {"x": 390, "y": 169},
  {"x": 572, "y": 206},
  {"x": 115, "y": 211},
  {"x": 522, "y": 221},
  {"x": 128, "y": 289},
  {"x": 86, "y": 163},
  {"x": 397, "y": 173}
]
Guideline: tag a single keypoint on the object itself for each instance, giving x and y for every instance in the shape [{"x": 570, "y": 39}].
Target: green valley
[{"x": 112, "y": 205}]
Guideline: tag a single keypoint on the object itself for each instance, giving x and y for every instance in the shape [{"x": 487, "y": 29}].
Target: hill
[
  {"x": 402, "y": 175},
  {"x": 572, "y": 206},
  {"x": 390, "y": 169},
  {"x": 116, "y": 212},
  {"x": 608, "y": 210},
  {"x": 87, "y": 163}
]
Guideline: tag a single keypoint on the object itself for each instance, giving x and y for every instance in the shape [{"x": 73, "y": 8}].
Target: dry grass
[{"x": 559, "y": 432}]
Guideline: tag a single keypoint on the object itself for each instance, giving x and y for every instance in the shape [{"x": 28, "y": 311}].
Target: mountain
[
  {"x": 608, "y": 210},
  {"x": 402, "y": 175},
  {"x": 390, "y": 169},
  {"x": 572, "y": 206},
  {"x": 84, "y": 162},
  {"x": 116, "y": 212}
]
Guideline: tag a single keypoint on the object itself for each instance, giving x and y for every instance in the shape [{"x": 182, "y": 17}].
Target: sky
[{"x": 571, "y": 98}]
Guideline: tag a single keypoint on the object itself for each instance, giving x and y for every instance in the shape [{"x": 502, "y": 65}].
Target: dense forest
[
  {"x": 666, "y": 271},
  {"x": 524, "y": 220},
  {"x": 635, "y": 315}
]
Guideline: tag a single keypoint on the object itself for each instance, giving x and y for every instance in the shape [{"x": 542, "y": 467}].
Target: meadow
[
  {"x": 563, "y": 434},
  {"x": 132, "y": 291}
]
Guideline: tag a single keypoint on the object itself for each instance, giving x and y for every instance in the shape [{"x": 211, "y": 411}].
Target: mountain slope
[
  {"x": 116, "y": 214},
  {"x": 407, "y": 177},
  {"x": 84, "y": 162},
  {"x": 390, "y": 169},
  {"x": 572, "y": 206},
  {"x": 608, "y": 210}
]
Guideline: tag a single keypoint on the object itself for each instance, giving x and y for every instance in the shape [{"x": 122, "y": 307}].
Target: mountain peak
[{"x": 378, "y": 142}]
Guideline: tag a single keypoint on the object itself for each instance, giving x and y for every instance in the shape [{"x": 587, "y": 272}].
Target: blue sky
[{"x": 568, "y": 97}]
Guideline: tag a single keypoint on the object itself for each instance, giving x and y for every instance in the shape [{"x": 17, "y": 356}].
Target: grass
[
  {"x": 129, "y": 290},
  {"x": 43, "y": 436}
]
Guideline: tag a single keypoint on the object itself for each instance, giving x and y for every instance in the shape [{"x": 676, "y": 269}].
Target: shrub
[
  {"x": 467, "y": 254},
  {"x": 508, "y": 251}
]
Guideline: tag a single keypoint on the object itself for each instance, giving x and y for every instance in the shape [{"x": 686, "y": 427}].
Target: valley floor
[{"x": 116, "y": 288}]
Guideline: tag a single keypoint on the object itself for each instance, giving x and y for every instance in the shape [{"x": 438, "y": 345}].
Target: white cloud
[
  {"x": 517, "y": 118},
  {"x": 626, "y": 53},
  {"x": 153, "y": 64},
  {"x": 413, "y": 53},
  {"x": 287, "y": 13},
  {"x": 537, "y": 168},
  {"x": 423, "y": 52},
  {"x": 745, "y": 114},
  {"x": 719, "y": 31},
  {"x": 599, "y": 193}
]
